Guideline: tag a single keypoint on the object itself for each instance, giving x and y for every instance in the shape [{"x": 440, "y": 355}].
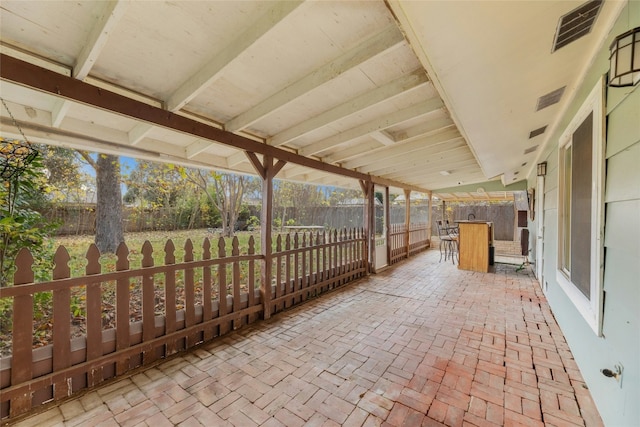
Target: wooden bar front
[{"x": 475, "y": 240}]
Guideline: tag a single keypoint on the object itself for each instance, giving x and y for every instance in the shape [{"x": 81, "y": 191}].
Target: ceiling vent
[
  {"x": 531, "y": 149},
  {"x": 576, "y": 24},
  {"x": 549, "y": 99},
  {"x": 537, "y": 132}
]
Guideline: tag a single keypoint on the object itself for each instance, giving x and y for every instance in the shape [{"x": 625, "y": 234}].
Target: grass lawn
[{"x": 77, "y": 247}]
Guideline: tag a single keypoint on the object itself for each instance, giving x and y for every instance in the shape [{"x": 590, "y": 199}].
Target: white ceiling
[{"x": 403, "y": 90}]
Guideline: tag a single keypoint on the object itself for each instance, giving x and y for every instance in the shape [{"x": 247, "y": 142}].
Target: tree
[
  {"x": 224, "y": 190},
  {"x": 21, "y": 226},
  {"x": 67, "y": 183},
  {"x": 153, "y": 185},
  {"x": 343, "y": 195},
  {"x": 289, "y": 194},
  {"x": 109, "y": 228}
]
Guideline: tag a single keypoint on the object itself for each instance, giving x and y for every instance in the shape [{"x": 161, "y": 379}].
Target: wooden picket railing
[
  {"x": 418, "y": 240},
  {"x": 178, "y": 307},
  {"x": 305, "y": 268}
]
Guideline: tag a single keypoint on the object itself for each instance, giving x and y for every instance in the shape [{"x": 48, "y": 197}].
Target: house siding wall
[{"x": 620, "y": 342}]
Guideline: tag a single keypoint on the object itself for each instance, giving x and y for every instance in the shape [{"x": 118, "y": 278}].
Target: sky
[{"x": 127, "y": 164}]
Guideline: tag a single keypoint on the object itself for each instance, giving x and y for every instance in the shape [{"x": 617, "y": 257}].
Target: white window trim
[{"x": 591, "y": 310}]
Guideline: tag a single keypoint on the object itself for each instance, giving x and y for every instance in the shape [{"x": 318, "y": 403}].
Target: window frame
[{"x": 591, "y": 308}]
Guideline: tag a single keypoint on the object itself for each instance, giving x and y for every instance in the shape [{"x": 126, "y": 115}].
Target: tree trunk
[{"x": 109, "y": 231}]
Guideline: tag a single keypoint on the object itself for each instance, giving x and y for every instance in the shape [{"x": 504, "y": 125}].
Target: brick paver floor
[{"x": 419, "y": 344}]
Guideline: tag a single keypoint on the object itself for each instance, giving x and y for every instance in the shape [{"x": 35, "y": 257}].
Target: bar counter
[{"x": 474, "y": 245}]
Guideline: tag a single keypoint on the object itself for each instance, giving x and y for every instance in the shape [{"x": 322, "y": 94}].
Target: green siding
[
  {"x": 617, "y": 403},
  {"x": 623, "y": 174},
  {"x": 624, "y": 124}
]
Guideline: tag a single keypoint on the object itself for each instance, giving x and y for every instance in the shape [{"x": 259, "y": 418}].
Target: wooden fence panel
[
  {"x": 222, "y": 287},
  {"x": 122, "y": 308},
  {"x": 207, "y": 312},
  {"x": 61, "y": 324},
  {"x": 304, "y": 283},
  {"x": 94, "y": 315},
  {"x": 170, "y": 296},
  {"x": 21, "y": 369},
  {"x": 311, "y": 265},
  {"x": 289, "y": 281},
  {"x": 148, "y": 305},
  {"x": 418, "y": 240},
  {"x": 189, "y": 293},
  {"x": 251, "y": 283},
  {"x": 235, "y": 252},
  {"x": 398, "y": 243},
  {"x": 318, "y": 252}
]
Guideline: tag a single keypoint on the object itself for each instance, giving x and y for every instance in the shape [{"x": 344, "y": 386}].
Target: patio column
[
  {"x": 267, "y": 171},
  {"x": 387, "y": 223},
  {"x": 407, "y": 218},
  {"x": 429, "y": 217},
  {"x": 369, "y": 224}
]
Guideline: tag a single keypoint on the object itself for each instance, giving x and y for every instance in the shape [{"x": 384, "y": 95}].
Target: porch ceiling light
[{"x": 624, "y": 68}]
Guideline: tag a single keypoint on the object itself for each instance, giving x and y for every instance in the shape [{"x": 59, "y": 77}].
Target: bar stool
[{"x": 448, "y": 241}]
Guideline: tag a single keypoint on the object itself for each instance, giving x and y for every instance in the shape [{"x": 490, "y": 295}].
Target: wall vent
[
  {"x": 576, "y": 24},
  {"x": 549, "y": 99},
  {"x": 537, "y": 132},
  {"x": 531, "y": 149}
]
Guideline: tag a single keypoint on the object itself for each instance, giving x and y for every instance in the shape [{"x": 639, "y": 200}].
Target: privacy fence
[
  {"x": 502, "y": 215},
  {"x": 81, "y": 219},
  {"x": 106, "y": 323}
]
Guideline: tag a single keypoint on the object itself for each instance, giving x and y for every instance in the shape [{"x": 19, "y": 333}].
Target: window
[{"x": 580, "y": 184}]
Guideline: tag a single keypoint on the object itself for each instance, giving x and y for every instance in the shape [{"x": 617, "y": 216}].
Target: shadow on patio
[{"x": 420, "y": 344}]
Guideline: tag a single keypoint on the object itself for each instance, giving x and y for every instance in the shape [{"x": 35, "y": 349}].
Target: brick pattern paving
[{"x": 420, "y": 344}]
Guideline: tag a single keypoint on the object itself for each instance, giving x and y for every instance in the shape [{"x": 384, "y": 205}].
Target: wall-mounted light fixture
[
  {"x": 624, "y": 61},
  {"x": 542, "y": 169}
]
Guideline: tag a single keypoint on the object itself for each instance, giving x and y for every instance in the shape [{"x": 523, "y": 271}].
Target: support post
[
  {"x": 430, "y": 221},
  {"x": 387, "y": 223},
  {"x": 369, "y": 225},
  {"x": 407, "y": 219},
  {"x": 516, "y": 235},
  {"x": 267, "y": 170}
]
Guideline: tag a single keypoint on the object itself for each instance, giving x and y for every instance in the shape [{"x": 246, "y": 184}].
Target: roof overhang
[{"x": 393, "y": 92}]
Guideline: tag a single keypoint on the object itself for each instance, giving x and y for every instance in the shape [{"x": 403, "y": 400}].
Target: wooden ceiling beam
[
  {"x": 376, "y": 125},
  {"x": 111, "y": 14},
  {"x": 236, "y": 158},
  {"x": 431, "y": 144},
  {"x": 389, "y": 38},
  {"x": 449, "y": 160},
  {"x": 197, "y": 147},
  {"x": 139, "y": 132},
  {"x": 383, "y": 93},
  {"x": 459, "y": 167},
  {"x": 58, "y": 85},
  {"x": 214, "y": 68},
  {"x": 431, "y": 127},
  {"x": 59, "y": 112},
  {"x": 469, "y": 177}
]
